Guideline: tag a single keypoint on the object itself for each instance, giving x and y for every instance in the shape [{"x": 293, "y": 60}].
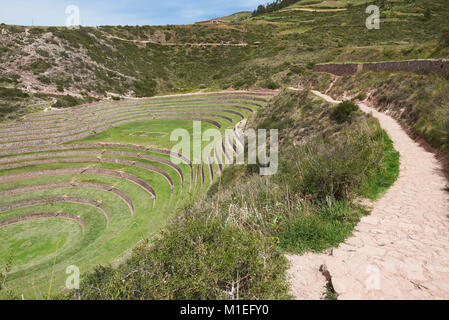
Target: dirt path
[
  {"x": 400, "y": 251},
  {"x": 191, "y": 44}
]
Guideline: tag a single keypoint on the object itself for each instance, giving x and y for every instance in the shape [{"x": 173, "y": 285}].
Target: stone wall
[{"x": 435, "y": 66}]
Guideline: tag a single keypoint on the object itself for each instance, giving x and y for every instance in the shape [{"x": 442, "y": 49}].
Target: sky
[{"x": 119, "y": 12}]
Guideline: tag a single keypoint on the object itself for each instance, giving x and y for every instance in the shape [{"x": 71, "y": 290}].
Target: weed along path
[{"x": 400, "y": 251}]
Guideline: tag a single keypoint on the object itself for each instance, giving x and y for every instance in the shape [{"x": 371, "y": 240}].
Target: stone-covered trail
[{"x": 401, "y": 250}]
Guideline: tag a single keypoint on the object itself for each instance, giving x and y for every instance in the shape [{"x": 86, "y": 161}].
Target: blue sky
[{"x": 120, "y": 12}]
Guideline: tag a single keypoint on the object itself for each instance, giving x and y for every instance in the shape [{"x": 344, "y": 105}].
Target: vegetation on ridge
[{"x": 125, "y": 59}]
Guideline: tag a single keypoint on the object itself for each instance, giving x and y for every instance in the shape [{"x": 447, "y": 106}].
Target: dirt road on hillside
[{"x": 190, "y": 44}]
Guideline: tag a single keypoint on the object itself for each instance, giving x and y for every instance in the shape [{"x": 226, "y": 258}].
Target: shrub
[
  {"x": 361, "y": 96},
  {"x": 319, "y": 226},
  {"x": 297, "y": 69},
  {"x": 12, "y": 93},
  {"x": 39, "y": 66},
  {"x": 445, "y": 135},
  {"x": 36, "y": 31},
  {"x": 310, "y": 65},
  {"x": 67, "y": 101},
  {"x": 43, "y": 53},
  {"x": 145, "y": 88},
  {"x": 44, "y": 79},
  {"x": 337, "y": 167},
  {"x": 12, "y": 78},
  {"x": 4, "y": 50},
  {"x": 343, "y": 112},
  {"x": 196, "y": 258},
  {"x": 427, "y": 14},
  {"x": 444, "y": 40},
  {"x": 5, "y": 109},
  {"x": 270, "y": 84}
]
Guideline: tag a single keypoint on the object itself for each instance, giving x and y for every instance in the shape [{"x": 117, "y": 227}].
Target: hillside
[
  {"x": 88, "y": 175},
  {"x": 144, "y": 61}
]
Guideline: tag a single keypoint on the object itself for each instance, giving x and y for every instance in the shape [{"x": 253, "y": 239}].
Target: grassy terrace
[{"x": 66, "y": 200}]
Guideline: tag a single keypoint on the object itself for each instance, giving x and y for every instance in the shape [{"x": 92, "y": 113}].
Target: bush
[
  {"x": 326, "y": 225},
  {"x": 145, "y": 88},
  {"x": 297, "y": 69},
  {"x": 343, "y": 112},
  {"x": 196, "y": 258},
  {"x": 445, "y": 135},
  {"x": 67, "y": 101},
  {"x": 43, "y": 53},
  {"x": 310, "y": 65},
  {"x": 39, "y": 66},
  {"x": 444, "y": 40},
  {"x": 427, "y": 14},
  {"x": 270, "y": 84},
  {"x": 336, "y": 168},
  {"x": 8, "y": 80},
  {"x": 44, "y": 79},
  {"x": 361, "y": 96},
  {"x": 12, "y": 93},
  {"x": 5, "y": 109}
]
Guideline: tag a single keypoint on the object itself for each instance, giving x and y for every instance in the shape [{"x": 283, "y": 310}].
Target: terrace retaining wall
[{"x": 433, "y": 66}]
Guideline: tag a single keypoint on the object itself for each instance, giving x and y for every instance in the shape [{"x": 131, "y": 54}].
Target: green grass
[
  {"x": 384, "y": 179},
  {"x": 343, "y": 111},
  {"x": 126, "y": 133},
  {"x": 37, "y": 239},
  {"x": 122, "y": 233},
  {"x": 53, "y": 244},
  {"x": 325, "y": 226}
]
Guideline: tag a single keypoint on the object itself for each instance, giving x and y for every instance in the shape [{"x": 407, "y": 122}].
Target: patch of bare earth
[{"x": 400, "y": 251}]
